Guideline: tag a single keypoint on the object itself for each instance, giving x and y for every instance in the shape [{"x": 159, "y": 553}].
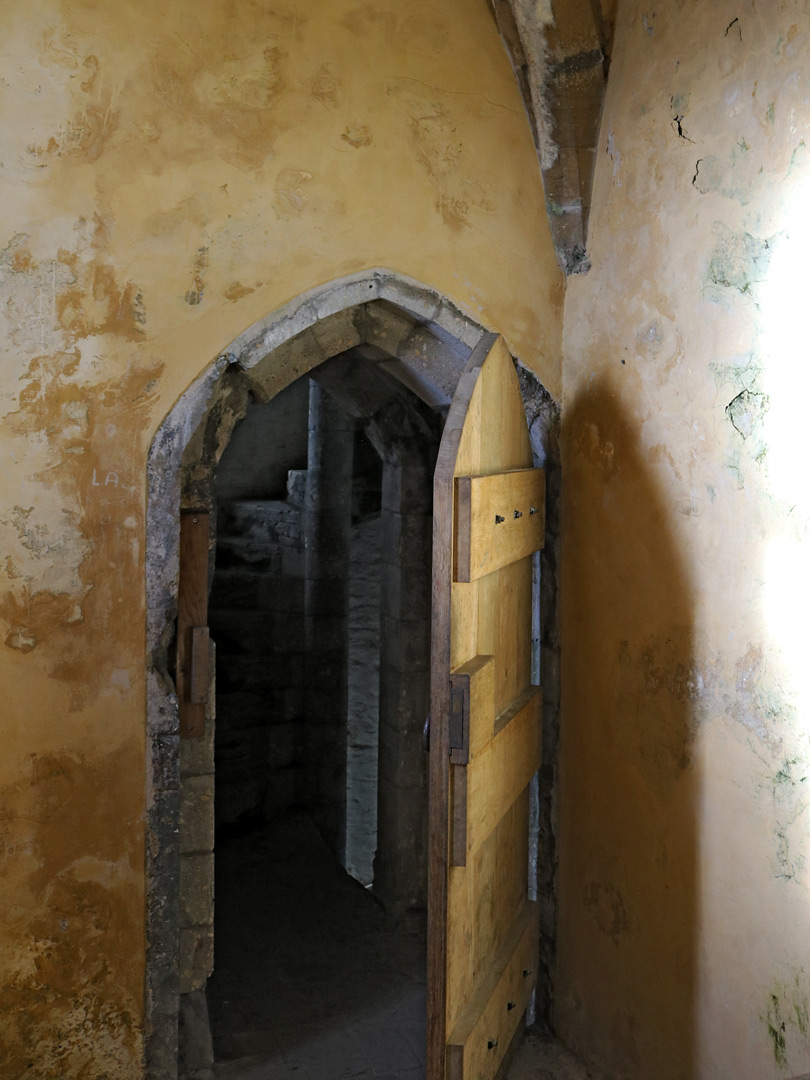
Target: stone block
[
  {"x": 292, "y": 562},
  {"x": 162, "y": 763},
  {"x": 336, "y": 333},
  {"x": 405, "y": 589},
  {"x": 285, "y": 333},
  {"x": 408, "y": 295},
  {"x": 197, "y": 813},
  {"x": 296, "y": 486},
  {"x": 432, "y": 360},
  {"x": 458, "y": 332},
  {"x": 402, "y": 759},
  {"x": 196, "y": 889},
  {"x": 257, "y": 556},
  {"x": 407, "y": 539},
  {"x": 400, "y": 866},
  {"x": 407, "y": 489},
  {"x": 347, "y": 294},
  {"x": 404, "y": 701},
  {"x": 161, "y": 704},
  {"x": 196, "y": 957},
  {"x": 195, "y": 1048},
  {"x": 262, "y": 520},
  {"x": 384, "y": 325},
  {"x": 405, "y": 644}
]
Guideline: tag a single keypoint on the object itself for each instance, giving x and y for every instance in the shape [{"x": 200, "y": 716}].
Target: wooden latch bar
[{"x": 471, "y": 718}]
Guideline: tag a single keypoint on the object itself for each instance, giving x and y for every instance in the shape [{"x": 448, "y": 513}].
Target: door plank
[
  {"x": 478, "y": 675},
  {"x": 489, "y": 1022},
  {"x": 505, "y": 628},
  {"x": 504, "y": 766},
  {"x": 499, "y": 886},
  {"x": 499, "y": 519}
]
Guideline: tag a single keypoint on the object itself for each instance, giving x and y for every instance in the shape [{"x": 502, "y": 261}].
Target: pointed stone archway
[{"x": 384, "y": 331}]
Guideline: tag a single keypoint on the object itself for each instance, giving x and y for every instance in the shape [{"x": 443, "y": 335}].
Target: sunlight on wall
[{"x": 784, "y": 300}]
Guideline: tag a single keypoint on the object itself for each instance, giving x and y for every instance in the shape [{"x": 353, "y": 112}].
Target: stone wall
[
  {"x": 257, "y": 619},
  {"x": 684, "y": 907},
  {"x": 363, "y": 710},
  {"x": 196, "y": 894}
]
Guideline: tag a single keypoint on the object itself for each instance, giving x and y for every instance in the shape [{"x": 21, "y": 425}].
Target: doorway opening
[
  {"x": 385, "y": 354},
  {"x": 321, "y": 691}
]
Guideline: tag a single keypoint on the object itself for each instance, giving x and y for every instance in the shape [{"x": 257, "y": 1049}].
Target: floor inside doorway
[{"x": 314, "y": 980}]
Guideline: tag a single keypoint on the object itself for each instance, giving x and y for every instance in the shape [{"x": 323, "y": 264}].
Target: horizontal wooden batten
[
  {"x": 485, "y": 1030},
  {"x": 499, "y": 519},
  {"x": 503, "y": 768}
]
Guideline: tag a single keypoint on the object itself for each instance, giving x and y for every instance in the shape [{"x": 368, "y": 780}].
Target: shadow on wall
[{"x": 628, "y": 788}]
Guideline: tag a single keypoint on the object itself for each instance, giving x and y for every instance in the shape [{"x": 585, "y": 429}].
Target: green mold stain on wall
[{"x": 776, "y": 1030}]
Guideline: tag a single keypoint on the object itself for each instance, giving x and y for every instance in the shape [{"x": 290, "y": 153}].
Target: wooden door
[{"x": 485, "y": 724}]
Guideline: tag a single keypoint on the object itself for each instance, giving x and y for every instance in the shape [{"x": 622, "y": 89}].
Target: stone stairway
[{"x": 256, "y": 615}]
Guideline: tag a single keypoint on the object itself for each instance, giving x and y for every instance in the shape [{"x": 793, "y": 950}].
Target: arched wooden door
[{"x": 485, "y": 724}]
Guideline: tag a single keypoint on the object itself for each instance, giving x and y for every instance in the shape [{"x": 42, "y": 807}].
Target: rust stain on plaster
[
  {"x": 96, "y": 480},
  {"x": 325, "y": 87},
  {"x": 71, "y": 992},
  {"x": 76, "y": 294},
  {"x": 606, "y": 907},
  {"x": 358, "y": 135},
  {"x": 233, "y": 95},
  {"x": 438, "y": 148},
  {"x": 61, "y": 596},
  {"x": 236, "y": 290},
  {"x": 439, "y": 151},
  {"x": 87, "y": 133},
  {"x": 199, "y": 266},
  {"x": 290, "y": 199}
]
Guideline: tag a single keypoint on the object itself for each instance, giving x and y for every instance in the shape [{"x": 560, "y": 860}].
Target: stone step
[
  {"x": 277, "y": 559},
  {"x": 260, "y": 520}
]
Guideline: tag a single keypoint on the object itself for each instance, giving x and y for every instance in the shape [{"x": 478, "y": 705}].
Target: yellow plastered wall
[
  {"x": 685, "y": 763},
  {"x": 171, "y": 172}
]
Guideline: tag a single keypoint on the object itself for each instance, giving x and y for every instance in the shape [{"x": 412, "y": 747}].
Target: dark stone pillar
[
  {"x": 400, "y": 867},
  {"x": 327, "y": 527}
]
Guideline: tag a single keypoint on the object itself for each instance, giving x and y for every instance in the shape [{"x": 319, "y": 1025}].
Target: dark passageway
[
  {"x": 319, "y": 927},
  {"x": 313, "y": 979}
]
